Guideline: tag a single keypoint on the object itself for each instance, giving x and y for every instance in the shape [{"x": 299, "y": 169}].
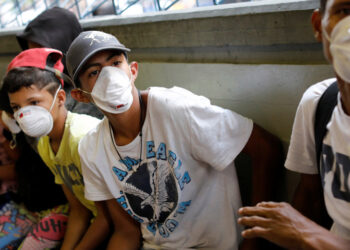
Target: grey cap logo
[{"x": 97, "y": 37}]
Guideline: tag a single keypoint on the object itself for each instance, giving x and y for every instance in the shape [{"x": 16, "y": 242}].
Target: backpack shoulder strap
[{"x": 323, "y": 114}]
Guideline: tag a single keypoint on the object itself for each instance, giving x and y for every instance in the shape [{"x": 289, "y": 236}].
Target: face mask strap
[
  {"x": 131, "y": 75},
  {"x": 54, "y": 99},
  {"x": 328, "y": 36},
  {"x": 88, "y": 93},
  {"x": 85, "y": 92},
  {"x": 325, "y": 34}
]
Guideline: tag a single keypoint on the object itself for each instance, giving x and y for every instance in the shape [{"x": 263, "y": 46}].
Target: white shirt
[
  {"x": 184, "y": 192},
  {"x": 335, "y": 161}
]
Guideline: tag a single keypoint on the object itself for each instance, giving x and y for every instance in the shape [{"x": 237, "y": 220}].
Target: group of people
[{"x": 154, "y": 169}]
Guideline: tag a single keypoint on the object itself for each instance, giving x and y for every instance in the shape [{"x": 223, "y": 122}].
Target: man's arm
[
  {"x": 285, "y": 226},
  {"x": 99, "y": 230},
  {"x": 127, "y": 233},
  {"x": 78, "y": 221},
  {"x": 266, "y": 153},
  {"x": 308, "y": 199}
]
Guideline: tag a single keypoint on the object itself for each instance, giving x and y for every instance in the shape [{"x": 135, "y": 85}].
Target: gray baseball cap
[{"x": 87, "y": 44}]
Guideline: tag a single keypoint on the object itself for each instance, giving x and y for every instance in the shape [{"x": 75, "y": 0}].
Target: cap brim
[
  {"x": 23, "y": 43},
  {"x": 92, "y": 53}
]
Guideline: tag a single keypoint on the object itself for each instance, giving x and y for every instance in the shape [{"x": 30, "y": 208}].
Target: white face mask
[
  {"x": 112, "y": 90},
  {"x": 10, "y": 123},
  {"x": 340, "y": 48},
  {"x": 35, "y": 121}
]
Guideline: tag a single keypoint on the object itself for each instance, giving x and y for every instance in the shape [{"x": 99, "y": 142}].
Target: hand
[{"x": 279, "y": 223}]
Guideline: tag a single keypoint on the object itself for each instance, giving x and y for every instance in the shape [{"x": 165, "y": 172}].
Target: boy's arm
[
  {"x": 127, "y": 232},
  {"x": 99, "y": 230},
  {"x": 78, "y": 221},
  {"x": 266, "y": 153}
]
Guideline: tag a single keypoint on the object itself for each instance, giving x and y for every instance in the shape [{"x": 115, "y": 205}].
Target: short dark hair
[
  {"x": 323, "y": 5},
  {"x": 18, "y": 78},
  {"x": 83, "y": 69}
]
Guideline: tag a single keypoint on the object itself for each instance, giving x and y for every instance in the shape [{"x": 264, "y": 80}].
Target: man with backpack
[{"x": 319, "y": 150}]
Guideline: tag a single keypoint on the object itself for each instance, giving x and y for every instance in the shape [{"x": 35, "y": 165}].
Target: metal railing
[{"x": 14, "y": 13}]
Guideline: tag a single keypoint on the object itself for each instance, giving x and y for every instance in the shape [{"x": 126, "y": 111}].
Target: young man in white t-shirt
[
  {"x": 281, "y": 223},
  {"x": 163, "y": 158}
]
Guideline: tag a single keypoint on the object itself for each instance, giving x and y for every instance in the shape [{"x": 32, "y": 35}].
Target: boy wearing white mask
[
  {"x": 163, "y": 157},
  {"x": 326, "y": 167},
  {"x": 34, "y": 82}
]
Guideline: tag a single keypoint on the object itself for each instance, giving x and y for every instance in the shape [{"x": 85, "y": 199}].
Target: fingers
[
  {"x": 274, "y": 221},
  {"x": 254, "y": 232},
  {"x": 267, "y": 204},
  {"x": 285, "y": 241},
  {"x": 264, "y": 209},
  {"x": 254, "y": 221},
  {"x": 250, "y": 211},
  {"x": 256, "y": 218},
  {"x": 271, "y": 204}
]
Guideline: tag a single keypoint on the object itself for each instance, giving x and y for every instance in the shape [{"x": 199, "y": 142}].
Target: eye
[
  {"x": 116, "y": 63},
  {"x": 93, "y": 73},
  {"x": 15, "y": 108},
  {"x": 34, "y": 102},
  {"x": 343, "y": 11}
]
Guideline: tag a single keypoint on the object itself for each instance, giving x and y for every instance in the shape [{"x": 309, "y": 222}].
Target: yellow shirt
[{"x": 65, "y": 165}]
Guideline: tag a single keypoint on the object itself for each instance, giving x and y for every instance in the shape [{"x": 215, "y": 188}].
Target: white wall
[{"x": 268, "y": 94}]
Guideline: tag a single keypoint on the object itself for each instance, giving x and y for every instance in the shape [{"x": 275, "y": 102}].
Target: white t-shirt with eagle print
[{"x": 184, "y": 190}]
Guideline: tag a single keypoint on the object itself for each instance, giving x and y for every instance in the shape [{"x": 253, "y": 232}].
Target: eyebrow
[
  {"x": 113, "y": 54},
  {"x": 32, "y": 98},
  {"x": 27, "y": 100},
  {"x": 86, "y": 67}
]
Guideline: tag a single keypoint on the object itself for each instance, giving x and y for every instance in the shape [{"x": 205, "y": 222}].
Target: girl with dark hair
[{"x": 36, "y": 214}]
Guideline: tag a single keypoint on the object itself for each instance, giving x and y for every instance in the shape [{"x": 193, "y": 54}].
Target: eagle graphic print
[{"x": 151, "y": 188}]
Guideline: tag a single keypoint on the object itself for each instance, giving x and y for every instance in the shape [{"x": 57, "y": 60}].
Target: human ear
[
  {"x": 61, "y": 97},
  {"x": 134, "y": 68},
  {"x": 79, "y": 96},
  {"x": 316, "y": 21}
]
